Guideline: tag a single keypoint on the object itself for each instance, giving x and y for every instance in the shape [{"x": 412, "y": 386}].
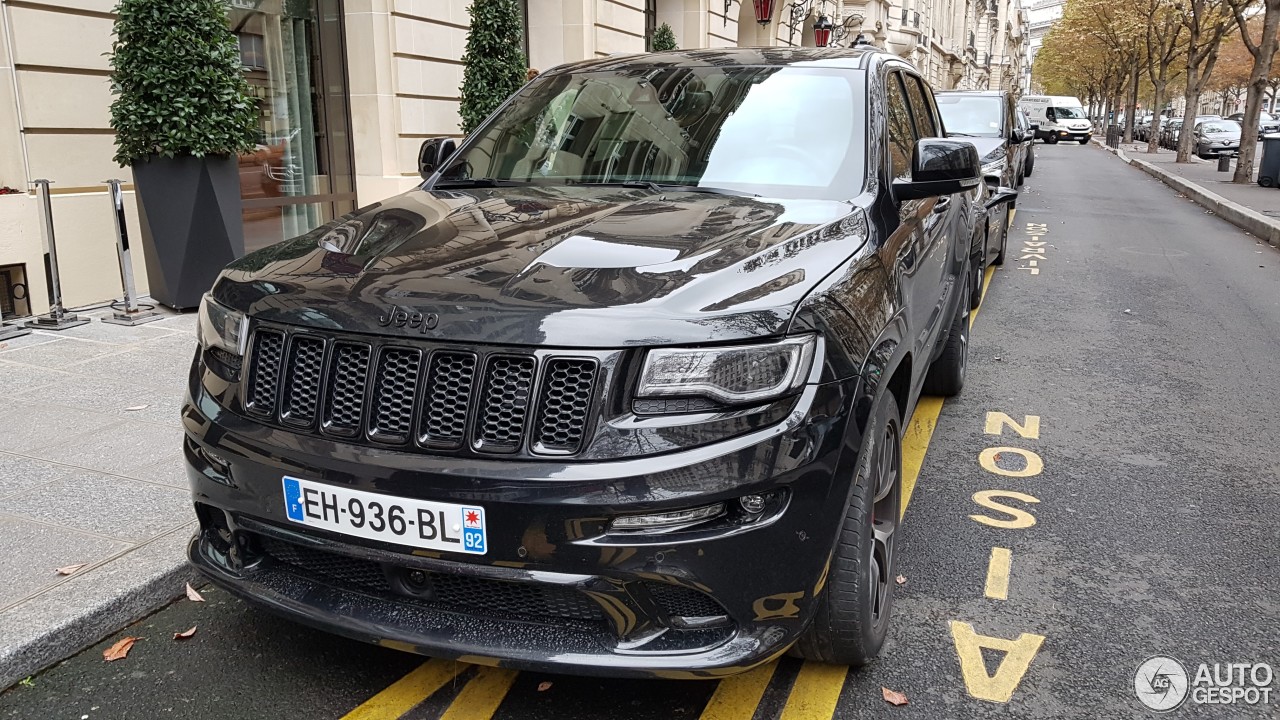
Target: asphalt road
[{"x": 1137, "y": 365}]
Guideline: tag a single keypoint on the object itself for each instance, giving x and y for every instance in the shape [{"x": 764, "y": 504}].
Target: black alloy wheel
[{"x": 854, "y": 606}]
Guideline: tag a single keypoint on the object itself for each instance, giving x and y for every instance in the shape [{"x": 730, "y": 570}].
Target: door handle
[{"x": 943, "y": 203}]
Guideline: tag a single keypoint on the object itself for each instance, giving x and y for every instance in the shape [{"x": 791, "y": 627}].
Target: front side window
[
  {"x": 901, "y": 135},
  {"x": 971, "y": 115},
  {"x": 925, "y": 126},
  {"x": 784, "y": 132}
]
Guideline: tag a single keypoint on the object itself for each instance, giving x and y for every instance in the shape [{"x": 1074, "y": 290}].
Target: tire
[
  {"x": 1085, "y": 140},
  {"x": 855, "y": 604},
  {"x": 1051, "y": 140},
  {"x": 975, "y": 279},
  {"x": 1031, "y": 163},
  {"x": 946, "y": 374},
  {"x": 1004, "y": 241}
]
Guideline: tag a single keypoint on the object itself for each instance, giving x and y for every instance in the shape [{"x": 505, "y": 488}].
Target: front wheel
[
  {"x": 1051, "y": 140},
  {"x": 1085, "y": 140},
  {"x": 975, "y": 280},
  {"x": 1004, "y": 240},
  {"x": 853, "y": 607}
]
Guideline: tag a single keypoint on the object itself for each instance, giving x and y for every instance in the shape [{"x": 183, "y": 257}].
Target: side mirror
[
  {"x": 1035, "y": 126},
  {"x": 1017, "y": 135},
  {"x": 1050, "y": 115},
  {"x": 999, "y": 194},
  {"x": 940, "y": 167},
  {"x": 433, "y": 154}
]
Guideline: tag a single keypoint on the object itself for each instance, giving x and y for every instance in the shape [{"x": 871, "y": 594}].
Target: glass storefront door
[{"x": 299, "y": 174}]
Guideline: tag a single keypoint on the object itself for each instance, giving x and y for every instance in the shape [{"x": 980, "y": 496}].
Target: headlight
[
  {"x": 222, "y": 327},
  {"x": 995, "y": 167},
  {"x": 733, "y": 375}
]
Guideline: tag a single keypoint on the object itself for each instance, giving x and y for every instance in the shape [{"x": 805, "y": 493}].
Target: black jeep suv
[{"x": 619, "y": 390}]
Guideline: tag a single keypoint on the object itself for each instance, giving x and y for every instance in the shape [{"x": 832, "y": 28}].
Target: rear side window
[
  {"x": 926, "y": 124},
  {"x": 901, "y": 135}
]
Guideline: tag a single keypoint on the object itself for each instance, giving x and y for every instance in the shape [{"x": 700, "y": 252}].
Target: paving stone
[
  {"x": 60, "y": 353},
  {"x": 160, "y": 401},
  {"x": 170, "y": 471},
  {"x": 128, "y": 510},
  {"x": 26, "y": 426},
  {"x": 15, "y": 377},
  {"x": 30, "y": 553},
  {"x": 158, "y": 365},
  {"x": 117, "y": 334},
  {"x": 18, "y": 473},
  {"x": 34, "y": 338},
  {"x": 122, "y": 448}
]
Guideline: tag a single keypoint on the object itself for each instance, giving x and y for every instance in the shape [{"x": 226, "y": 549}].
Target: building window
[
  {"x": 253, "y": 55},
  {"x": 650, "y": 23}
]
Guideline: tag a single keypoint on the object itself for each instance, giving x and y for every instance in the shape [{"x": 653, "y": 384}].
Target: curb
[
  {"x": 87, "y": 608},
  {"x": 1246, "y": 219}
]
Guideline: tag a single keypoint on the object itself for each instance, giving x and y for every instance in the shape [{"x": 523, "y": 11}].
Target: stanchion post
[
  {"x": 132, "y": 314},
  {"x": 57, "y": 318}
]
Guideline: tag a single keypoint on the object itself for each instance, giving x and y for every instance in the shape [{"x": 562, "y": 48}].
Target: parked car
[
  {"x": 1267, "y": 123},
  {"x": 988, "y": 119},
  {"x": 1169, "y": 135},
  {"x": 1028, "y": 134},
  {"x": 633, "y": 315},
  {"x": 1217, "y": 137}
]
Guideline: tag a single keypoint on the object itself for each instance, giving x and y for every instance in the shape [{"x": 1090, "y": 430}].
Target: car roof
[{"x": 859, "y": 58}]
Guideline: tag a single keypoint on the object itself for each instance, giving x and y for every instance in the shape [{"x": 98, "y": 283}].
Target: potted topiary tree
[
  {"x": 494, "y": 66},
  {"x": 663, "y": 39},
  {"x": 182, "y": 112}
]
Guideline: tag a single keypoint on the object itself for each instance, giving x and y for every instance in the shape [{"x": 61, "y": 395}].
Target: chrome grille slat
[{"x": 419, "y": 396}]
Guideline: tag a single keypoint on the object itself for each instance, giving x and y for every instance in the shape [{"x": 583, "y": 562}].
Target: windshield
[
  {"x": 979, "y": 115},
  {"x": 1068, "y": 112},
  {"x": 1220, "y": 126},
  {"x": 783, "y": 132}
]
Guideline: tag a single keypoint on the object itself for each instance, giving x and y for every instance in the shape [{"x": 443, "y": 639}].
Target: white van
[{"x": 1058, "y": 117}]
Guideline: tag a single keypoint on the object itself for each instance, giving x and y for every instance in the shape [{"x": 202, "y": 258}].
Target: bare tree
[
  {"x": 1207, "y": 23},
  {"x": 1263, "y": 51}
]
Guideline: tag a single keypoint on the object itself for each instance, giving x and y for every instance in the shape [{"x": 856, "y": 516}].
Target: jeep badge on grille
[{"x": 403, "y": 318}]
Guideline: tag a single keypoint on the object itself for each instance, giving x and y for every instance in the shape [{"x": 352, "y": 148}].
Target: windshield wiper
[
  {"x": 959, "y": 134},
  {"x": 664, "y": 187},
  {"x": 479, "y": 182}
]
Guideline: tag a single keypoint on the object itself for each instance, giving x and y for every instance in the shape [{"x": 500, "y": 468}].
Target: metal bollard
[
  {"x": 57, "y": 318},
  {"x": 1224, "y": 163},
  {"x": 132, "y": 314}
]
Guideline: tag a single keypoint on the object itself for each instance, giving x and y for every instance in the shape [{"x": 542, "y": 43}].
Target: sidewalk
[
  {"x": 1251, "y": 207},
  {"x": 90, "y": 473}
]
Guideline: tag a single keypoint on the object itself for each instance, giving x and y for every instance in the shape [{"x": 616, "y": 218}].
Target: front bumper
[
  {"x": 1074, "y": 134},
  {"x": 557, "y": 590}
]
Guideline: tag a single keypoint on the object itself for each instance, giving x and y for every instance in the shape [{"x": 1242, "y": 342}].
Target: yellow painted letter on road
[
  {"x": 1021, "y": 518},
  {"x": 1018, "y": 656},
  {"x": 1034, "y": 465},
  {"x": 1030, "y": 427}
]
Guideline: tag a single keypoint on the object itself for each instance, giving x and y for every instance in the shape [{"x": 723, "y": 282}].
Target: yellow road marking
[
  {"x": 998, "y": 573},
  {"x": 1018, "y": 656},
  {"x": 401, "y": 696},
  {"x": 1034, "y": 464},
  {"x": 816, "y": 690},
  {"x": 482, "y": 696},
  {"x": 737, "y": 697},
  {"x": 1021, "y": 519}
]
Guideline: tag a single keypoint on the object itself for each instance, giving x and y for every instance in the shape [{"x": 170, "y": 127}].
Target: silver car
[{"x": 1217, "y": 137}]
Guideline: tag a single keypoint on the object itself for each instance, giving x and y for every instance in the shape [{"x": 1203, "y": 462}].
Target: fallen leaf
[
  {"x": 185, "y": 634},
  {"x": 192, "y": 595},
  {"x": 893, "y": 697},
  {"x": 119, "y": 650},
  {"x": 544, "y": 686},
  {"x": 70, "y": 569},
  {"x": 136, "y": 408},
  {"x": 902, "y": 579}
]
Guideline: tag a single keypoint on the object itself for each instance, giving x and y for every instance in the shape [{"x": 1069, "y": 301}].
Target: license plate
[{"x": 402, "y": 521}]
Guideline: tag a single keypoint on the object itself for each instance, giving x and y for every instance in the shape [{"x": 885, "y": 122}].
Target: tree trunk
[
  {"x": 1192, "y": 97},
  {"x": 1132, "y": 108},
  {"x": 1267, "y": 47},
  {"x": 1153, "y": 139}
]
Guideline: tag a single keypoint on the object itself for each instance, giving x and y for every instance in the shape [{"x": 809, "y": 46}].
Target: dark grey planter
[{"x": 189, "y": 209}]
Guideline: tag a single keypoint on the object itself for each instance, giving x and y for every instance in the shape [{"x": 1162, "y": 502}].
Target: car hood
[
  {"x": 989, "y": 148},
  {"x": 564, "y": 266}
]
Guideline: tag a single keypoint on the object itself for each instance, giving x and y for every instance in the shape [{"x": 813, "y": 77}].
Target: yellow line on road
[
  {"x": 815, "y": 692},
  {"x": 737, "y": 697},
  {"x": 401, "y": 696},
  {"x": 482, "y": 696},
  {"x": 998, "y": 573}
]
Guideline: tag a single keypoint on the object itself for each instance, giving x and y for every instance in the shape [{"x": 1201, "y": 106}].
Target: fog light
[
  {"x": 753, "y": 504},
  {"x": 654, "y": 521}
]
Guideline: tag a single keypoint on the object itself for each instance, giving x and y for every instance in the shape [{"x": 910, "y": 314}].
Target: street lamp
[
  {"x": 764, "y": 11},
  {"x": 822, "y": 31}
]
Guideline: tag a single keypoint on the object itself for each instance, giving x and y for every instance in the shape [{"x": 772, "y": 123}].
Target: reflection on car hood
[
  {"x": 567, "y": 266},
  {"x": 990, "y": 149}
]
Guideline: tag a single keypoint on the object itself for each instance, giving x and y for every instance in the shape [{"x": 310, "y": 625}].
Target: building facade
[
  {"x": 348, "y": 89},
  {"x": 1042, "y": 15}
]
